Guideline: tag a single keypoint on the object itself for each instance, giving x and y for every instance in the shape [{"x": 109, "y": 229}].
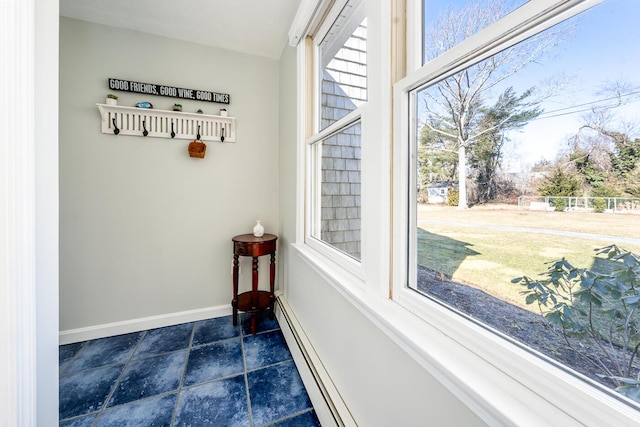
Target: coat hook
[
  {"x": 115, "y": 126},
  {"x": 222, "y": 136},
  {"x": 173, "y": 134},
  {"x": 198, "y": 135},
  {"x": 144, "y": 127}
]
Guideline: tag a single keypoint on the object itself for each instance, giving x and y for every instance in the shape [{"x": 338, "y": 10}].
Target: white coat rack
[{"x": 117, "y": 120}]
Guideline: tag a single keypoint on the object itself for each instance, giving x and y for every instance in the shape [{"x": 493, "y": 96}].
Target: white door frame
[{"x": 29, "y": 212}]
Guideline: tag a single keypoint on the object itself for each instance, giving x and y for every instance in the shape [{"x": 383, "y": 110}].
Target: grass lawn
[{"x": 488, "y": 259}]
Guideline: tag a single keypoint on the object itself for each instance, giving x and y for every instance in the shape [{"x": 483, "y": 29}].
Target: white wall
[
  {"x": 144, "y": 229},
  {"x": 381, "y": 384},
  {"x": 287, "y": 173}
]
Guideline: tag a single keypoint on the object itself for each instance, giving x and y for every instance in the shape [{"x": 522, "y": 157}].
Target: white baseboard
[
  {"x": 141, "y": 324},
  {"x": 327, "y": 402}
]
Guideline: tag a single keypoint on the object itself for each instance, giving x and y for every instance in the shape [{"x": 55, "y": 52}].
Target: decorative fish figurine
[{"x": 144, "y": 105}]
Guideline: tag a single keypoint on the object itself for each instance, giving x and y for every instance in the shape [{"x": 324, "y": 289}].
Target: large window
[
  {"x": 335, "y": 148},
  {"x": 523, "y": 158}
]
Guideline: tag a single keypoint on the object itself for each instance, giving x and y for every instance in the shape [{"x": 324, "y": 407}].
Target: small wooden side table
[{"x": 254, "y": 300}]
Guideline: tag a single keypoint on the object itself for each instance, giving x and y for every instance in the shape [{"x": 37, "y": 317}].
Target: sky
[{"x": 603, "y": 48}]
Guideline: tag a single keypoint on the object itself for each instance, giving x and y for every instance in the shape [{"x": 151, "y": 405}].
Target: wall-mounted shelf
[{"x": 118, "y": 120}]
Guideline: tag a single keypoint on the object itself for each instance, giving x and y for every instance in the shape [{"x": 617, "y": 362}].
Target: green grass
[{"x": 488, "y": 259}]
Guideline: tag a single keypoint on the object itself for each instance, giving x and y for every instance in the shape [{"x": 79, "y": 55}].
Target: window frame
[
  {"x": 313, "y": 190},
  {"x": 562, "y": 394},
  {"x": 312, "y": 151}
]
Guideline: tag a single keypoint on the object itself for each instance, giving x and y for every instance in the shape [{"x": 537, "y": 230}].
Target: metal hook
[
  {"x": 173, "y": 134},
  {"x": 145, "y": 133},
  {"x": 115, "y": 126},
  {"x": 222, "y": 136},
  {"x": 198, "y": 135}
]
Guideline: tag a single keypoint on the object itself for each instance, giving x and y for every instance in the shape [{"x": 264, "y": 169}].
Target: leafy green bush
[
  {"x": 559, "y": 204},
  {"x": 599, "y": 205},
  {"x": 560, "y": 183},
  {"x": 599, "y": 309},
  {"x": 452, "y": 197},
  {"x": 604, "y": 190}
]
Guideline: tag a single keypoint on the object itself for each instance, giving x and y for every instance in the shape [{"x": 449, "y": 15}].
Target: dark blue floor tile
[
  {"x": 164, "y": 340},
  {"x": 149, "y": 377},
  {"x": 276, "y": 392},
  {"x": 86, "y": 391},
  {"x": 308, "y": 419},
  {"x": 263, "y": 323},
  {"x": 140, "y": 374},
  {"x": 218, "y": 403},
  {"x": 156, "y": 412},
  {"x": 105, "y": 351},
  {"x": 79, "y": 422},
  {"x": 265, "y": 349},
  {"x": 213, "y": 361},
  {"x": 66, "y": 353},
  {"x": 208, "y": 331}
]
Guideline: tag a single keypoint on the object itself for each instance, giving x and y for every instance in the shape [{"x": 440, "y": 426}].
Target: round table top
[{"x": 250, "y": 238}]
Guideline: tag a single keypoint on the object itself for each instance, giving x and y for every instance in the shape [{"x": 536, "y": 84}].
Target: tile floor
[{"x": 199, "y": 374}]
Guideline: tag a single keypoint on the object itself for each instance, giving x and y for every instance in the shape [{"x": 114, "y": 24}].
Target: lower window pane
[{"x": 337, "y": 216}]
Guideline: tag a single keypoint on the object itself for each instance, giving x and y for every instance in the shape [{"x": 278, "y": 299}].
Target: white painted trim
[
  {"x": 414, "y": 35},
  {"x": 142, "y": 324},
  {"x": 46, "y": 124},
  {"x": 560, "y": 396},
  {"x": 306, "y": 19},
  {"x": 18, "y": 405},
  {"x": 301, "y": 149},
  {"x": 341, "y": 279},
  {"x": 325, "y": 397}
]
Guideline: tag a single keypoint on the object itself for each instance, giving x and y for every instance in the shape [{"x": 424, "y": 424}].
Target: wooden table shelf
[{"x": 245, "y": 302}]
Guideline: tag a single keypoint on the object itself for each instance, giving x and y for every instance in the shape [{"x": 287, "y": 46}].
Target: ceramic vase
[{"x": 258, "y": 229}]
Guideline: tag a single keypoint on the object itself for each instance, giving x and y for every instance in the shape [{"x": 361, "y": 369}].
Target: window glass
[
  {"x": 448, "y": 22},
  {"x": 527, "y": 163},
  {"x": 343, "y": 56},
  {"x": 338, "y": 213},
  {"x": 335, "y": 150}
]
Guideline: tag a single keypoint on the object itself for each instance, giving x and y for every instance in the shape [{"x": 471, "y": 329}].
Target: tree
[
  {"x": 603, "y": 134},
  {"x": 453, "y": 108},
  {"x": 438, "y": 151},
  {"x": 510, "y": 112},
  {"x": 560, "y": 183},
  {"x": 436, "y": 161},
  {"x": 589, "y": 158},
  {"x": 625, "y": 156}
]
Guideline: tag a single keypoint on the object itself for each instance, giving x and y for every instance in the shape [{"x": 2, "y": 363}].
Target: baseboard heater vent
[{"x": 326, "y": 399}]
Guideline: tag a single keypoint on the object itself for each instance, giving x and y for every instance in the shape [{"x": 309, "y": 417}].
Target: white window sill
[{"x": 502, "y": 382}]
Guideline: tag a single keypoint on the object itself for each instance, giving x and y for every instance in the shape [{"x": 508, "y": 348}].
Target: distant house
[{"x": 438, "y": 191}]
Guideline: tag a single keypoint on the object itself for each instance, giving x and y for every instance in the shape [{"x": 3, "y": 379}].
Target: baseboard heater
[{"x": 327, "y": 402}]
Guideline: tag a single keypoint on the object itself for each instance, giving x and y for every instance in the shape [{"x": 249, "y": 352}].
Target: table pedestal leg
[
  {"x": 254, "y": 295},
  {"x": 234, "y": 302},
  {"x": 272, "y": 278}
]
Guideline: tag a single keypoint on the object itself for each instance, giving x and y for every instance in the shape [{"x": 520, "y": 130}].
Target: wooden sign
[{"x": 170, "y": 91}]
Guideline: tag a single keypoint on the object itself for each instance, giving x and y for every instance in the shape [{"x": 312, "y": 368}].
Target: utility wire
[{"x": 552, "y": 113}]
